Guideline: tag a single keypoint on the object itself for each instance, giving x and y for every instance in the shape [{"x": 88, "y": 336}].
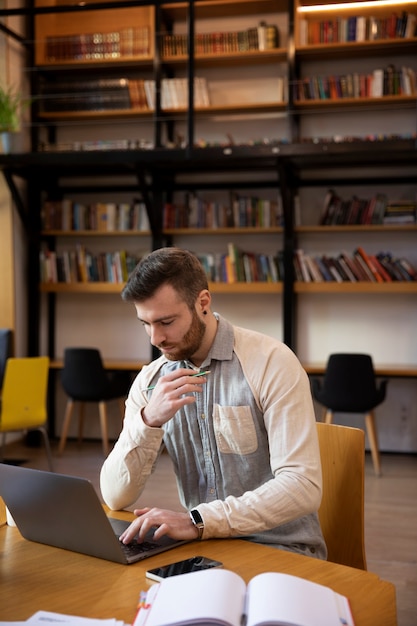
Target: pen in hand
[{"x": 193, "y": 375}]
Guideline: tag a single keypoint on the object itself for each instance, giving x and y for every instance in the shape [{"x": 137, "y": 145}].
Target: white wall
[{"x": 13, "y": 269}]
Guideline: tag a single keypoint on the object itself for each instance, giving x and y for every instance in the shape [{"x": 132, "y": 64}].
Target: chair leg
[
  {"x": 103, "y": 424},
  {"x": 67, "y": 419},
  {"x": 81, "y": 422},
  {"x": 47, "y": 447},
  {"x": 373, "y": 441},
  {"x": 328, "y": 416}
]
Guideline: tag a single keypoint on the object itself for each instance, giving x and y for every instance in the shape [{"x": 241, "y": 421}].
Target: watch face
[{"x": 196, "y": 517}]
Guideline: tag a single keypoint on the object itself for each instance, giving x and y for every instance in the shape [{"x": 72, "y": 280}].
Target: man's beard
[{"x": 191, "y": 341}]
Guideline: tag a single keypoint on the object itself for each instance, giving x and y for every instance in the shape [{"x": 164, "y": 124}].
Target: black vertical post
[
  {"x": 157, "y": 78},
  {"x": 289, "y": 302},
  {"x": 294, "y": 130},
  {"x": 33, "y": 274},
  {"x": 190, "y": 45}
]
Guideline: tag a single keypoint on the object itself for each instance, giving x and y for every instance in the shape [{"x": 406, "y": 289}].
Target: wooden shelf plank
[
  {"x": 357, "y": 48},
  {"x": 84, "y": 288},
  {"x": 110, "y": 364},
  {"x": 256, "y": 107},
  {"x": 391, "y": 370},
  {"x": 245, "y": 288},
  {"x": 250, "y": 230},
  {"x": 251, "y": 57},
  {"x": 359, "y": 287},
  {"x": 398, "y": 101},
  {"x": 377, "y": 228},
  {"x": 103, "y": 288},
  {"x": 255, "y": 230},
  {"x": 96, "y": 233},
  {"x": 225, "y": 8}
]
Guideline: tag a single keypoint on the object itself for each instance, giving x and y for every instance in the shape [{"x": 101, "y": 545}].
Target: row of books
[
  {"x": 401, "y": 212},
  {"x": 128, "y": 42},
  {"x": 236, "y": 265},
  {"x": 86, "y": 95},
  {"x": 241, "y": 266},
  {"x": 78, "y": 265},
  {"x": 138, "y": 94},
  {"x": 68, "y": 215},
  {"x": 358, "y": 28},
  {"x": 358, "y": 267},
  {"x": 174, "y": 93},
  {"x": 135, "y": 42},
  {"x": 240, "y": 212},
  {"x": 263, "y": 37},
  {"x": 379, "y": 83},
  {"x": 121, "y": 94},
  {"x": 376, "y": 210}
]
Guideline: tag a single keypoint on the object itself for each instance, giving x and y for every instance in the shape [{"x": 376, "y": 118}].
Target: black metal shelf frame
[{"x": 154, "y": 173}]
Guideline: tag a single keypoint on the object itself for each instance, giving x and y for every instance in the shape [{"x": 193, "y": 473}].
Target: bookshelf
[
  {"x": 354, "y": 56},
  {"x": 214, "y": 211},
  {"x": 289, "y": 73},
  {"x": 311, "y": 169},
  {"x": 349, "y": 24},
  {"x": 164, "y": 94},
  {"x": 245, "y": 139},
  {"x": 328, "y": 309},
  {"x": 105, "y": 35}
]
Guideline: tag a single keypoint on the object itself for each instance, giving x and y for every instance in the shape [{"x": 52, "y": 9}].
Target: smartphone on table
[{"x": 194, "y": 564}]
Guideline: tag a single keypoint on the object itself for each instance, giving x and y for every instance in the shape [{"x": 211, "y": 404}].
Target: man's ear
[{"x": 203, "y": 301}]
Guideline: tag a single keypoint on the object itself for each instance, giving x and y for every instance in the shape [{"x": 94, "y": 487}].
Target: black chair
[
  {"x": 85, "y": 379},
  {"x": 349, "y": 386},
  {"x": 6, "y": 350}
]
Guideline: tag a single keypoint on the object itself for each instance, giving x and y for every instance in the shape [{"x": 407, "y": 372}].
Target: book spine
[{"x": 368, "y": 261}]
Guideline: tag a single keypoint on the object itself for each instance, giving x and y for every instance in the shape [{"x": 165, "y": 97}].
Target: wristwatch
[{"x": 197, "y": 520}]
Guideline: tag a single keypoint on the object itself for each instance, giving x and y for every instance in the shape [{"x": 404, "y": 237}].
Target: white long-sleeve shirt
[{"x": 245, "y": 454}]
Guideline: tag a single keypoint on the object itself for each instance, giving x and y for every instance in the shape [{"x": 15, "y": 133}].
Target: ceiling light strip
[{"x": 343, "y": 6}]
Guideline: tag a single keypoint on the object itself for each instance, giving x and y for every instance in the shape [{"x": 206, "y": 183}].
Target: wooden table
[
  {"x": 129, "y": 365},
  {"x": 36, "y": 577},
  {"x": 384, "y": 370},
  {"x": 389, "y": 370}
]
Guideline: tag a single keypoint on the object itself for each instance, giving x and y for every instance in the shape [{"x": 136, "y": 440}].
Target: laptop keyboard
[{"x": 135, "y": 547}]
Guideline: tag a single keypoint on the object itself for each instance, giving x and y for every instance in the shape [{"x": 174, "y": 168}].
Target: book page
[
  {"x": 208, "y": 597},
  {"x": 284, "y": 600}
]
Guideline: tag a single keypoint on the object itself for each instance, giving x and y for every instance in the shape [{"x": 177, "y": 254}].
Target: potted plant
[{"x": 11, "y": 103}]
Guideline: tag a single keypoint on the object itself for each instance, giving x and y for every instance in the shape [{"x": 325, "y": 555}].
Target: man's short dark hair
[{"x": 166, "y": 266}]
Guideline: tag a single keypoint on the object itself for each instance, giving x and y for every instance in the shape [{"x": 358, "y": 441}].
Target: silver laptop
[{"x": 65, "y": 511}]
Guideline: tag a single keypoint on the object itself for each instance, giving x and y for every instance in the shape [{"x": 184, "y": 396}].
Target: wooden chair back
[
  {"x": 3, "y": 517},
  {"x": 6, "y": 350},
  {"x": 341, "y": 513}
]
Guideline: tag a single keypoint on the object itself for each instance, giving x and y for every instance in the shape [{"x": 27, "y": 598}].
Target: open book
[{"x": 221, "y": 597}]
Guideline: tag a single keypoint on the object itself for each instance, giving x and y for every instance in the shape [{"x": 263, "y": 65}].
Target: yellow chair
[
  {"x": 23, "y": 398},
  {"x": 341, "y": 513}
]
